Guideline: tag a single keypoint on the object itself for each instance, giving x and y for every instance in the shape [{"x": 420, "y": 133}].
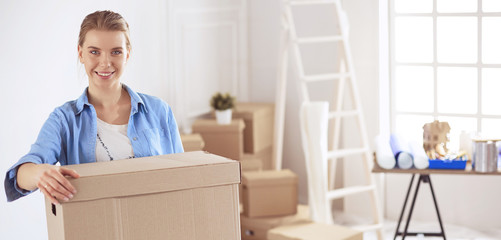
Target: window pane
[
  {"x": 448, "y": 6},
  {"x": 457, "y": 39},
  {"x": 491, "y": 128},
  {"x": 491, "y": 84},
  {"x": 457, "y": 90},
  {"x": 414, "y": 39},
  {"x": 411, "y": 126},
  {"x": 413, "y": 6},
  {"x": 457, "y": 125},
  {"x": 491, "y": 5},
  {"x": 491, "y": 40},
  {"x": 414, "y": 89}
]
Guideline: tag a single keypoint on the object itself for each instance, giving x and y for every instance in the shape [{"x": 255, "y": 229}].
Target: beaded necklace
[{"x": 108, "y": 151}]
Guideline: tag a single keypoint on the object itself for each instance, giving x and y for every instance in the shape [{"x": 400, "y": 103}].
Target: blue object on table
[{"x": 447, "y": 164}]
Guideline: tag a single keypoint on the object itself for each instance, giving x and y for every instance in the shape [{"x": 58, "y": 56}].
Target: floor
[{"x": 452, "y": 232}]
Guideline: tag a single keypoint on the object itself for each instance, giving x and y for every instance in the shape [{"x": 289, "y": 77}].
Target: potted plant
[{"x": 223, "y": 105}]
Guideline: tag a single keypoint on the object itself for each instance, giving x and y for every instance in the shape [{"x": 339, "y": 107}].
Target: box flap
[
  {"x": 250, "y": 110},
  {"x": 211, "y": 125},
  {"x": 268, "y": 177},
  {"x": 153, "y": 174}
]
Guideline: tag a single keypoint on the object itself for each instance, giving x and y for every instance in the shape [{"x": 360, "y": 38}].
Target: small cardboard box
[
  {"x": 192, "y": 142},
  {"x": 257, "y": 228},
  {"x": 250, "y": 165},
  {"x": 259, "y": 122},
  {"x": 224, "y": 140},
  {"x": 314, "y": 231},
  {"x": 188, "y": 196},
  {"x": 269, "y": 193},
  {"x": 265, "y": 156}
]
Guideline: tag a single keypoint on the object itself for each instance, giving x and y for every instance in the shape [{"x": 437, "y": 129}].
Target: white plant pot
[{"x": 223, "y": 116}]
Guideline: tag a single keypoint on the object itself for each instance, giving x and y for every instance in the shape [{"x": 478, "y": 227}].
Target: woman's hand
[{"x": 50, "y": 179}]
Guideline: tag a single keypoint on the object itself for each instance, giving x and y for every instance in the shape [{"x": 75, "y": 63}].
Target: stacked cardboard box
[
  {"x": 258, "y": 132},
  {"x": 192, "y": 142},
  {"x": 269, "y": 200},
  {"x": 257, "y": 228},
  {"x": 313, "y": 231},
  {"x": 263, "y": 156},
  {"x": 269, "y": 193},
  {"x": 188, "y": 196},
  {"x": 224, "y": 140}
]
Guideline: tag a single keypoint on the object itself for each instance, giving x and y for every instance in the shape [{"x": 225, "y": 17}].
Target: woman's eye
[
  {"x": 94, "y": 52},
  {"x": 116, "y": 52}
]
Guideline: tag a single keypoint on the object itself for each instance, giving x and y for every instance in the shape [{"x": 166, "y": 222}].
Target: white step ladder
[{"x": 315, "y": 117}]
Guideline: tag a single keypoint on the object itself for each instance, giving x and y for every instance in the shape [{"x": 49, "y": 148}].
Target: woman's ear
[
  {"x": 80, "y": 54},
  {"x": 128, "y": 55}
]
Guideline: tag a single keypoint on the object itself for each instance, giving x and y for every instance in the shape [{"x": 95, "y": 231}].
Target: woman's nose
[{"x": 105, "y": 61}]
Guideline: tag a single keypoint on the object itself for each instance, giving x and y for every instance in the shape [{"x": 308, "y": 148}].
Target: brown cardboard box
[
  {"x": 188, "y": 196},
  {"x": 265, "y": 156},
  {"x": 192, "y": 142},
  {"x": 224, "y": 140},
  {"x": 314, "y": 231},
  {"x": 257, "y": 228},
  {"x": 248, "y": 166},
  {"x": 259, "y": 122},
  {"x": 269, "y": 193}
]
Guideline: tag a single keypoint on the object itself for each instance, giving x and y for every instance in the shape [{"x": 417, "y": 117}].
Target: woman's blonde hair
[{"x": 104, "y": 20}]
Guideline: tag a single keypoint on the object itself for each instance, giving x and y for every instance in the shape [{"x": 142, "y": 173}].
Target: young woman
[{"x": 109, "y": 121}]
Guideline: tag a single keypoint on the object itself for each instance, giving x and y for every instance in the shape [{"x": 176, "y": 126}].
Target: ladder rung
[
  {"x": 325, "y": 77},
  {"x": 319, "y": 39},
  {"x": 365, "y": 228},
  {"x": 311, "y": 2},
  {"x": 346, "y": 152},
  {"x": 343, "y": 113},
  {"x": 343, "y": 192}
]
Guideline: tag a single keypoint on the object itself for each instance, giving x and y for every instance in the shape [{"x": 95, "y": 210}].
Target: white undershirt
[{"x": 114, "y": 138}]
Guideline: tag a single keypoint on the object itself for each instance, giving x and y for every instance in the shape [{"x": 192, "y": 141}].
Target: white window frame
[{"x": 392, "y": 63}]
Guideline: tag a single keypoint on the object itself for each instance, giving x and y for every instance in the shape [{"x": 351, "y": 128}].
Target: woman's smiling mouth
[{"x": 104, "y": 74}]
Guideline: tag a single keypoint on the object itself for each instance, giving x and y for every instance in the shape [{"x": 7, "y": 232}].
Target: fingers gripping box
[{"x": 190, "y": 195}]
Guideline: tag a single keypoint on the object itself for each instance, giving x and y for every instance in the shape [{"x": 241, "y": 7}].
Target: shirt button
[{"x": 135, "y": 139}]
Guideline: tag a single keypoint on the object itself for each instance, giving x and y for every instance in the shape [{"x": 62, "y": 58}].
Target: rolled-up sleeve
[{"x": 46, "y": 149}]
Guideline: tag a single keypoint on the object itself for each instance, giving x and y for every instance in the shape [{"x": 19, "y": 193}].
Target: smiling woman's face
[{"x": 104, "y": 55}]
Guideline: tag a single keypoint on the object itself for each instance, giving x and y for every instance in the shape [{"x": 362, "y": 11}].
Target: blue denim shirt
[{"x": 69, "y": 135}]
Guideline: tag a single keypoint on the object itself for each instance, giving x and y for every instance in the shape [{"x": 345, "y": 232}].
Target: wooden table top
[{"x": 467, "y": 170}]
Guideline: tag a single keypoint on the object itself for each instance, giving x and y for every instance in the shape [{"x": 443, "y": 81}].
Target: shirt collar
[{"x": 135, "y": 101}]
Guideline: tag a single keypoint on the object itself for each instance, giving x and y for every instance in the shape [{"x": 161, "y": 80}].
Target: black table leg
[
  {"x": 436, "y": 206},
  {"x": 403, "y": 208},
  {"x": 412, "y": 208},
  {"x": 425, "y": 178}
]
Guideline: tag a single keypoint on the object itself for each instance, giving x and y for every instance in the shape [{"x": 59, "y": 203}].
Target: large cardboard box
[
  {"x": 314, "y": 231},
  {"x": 192, "y": 142},
  {"x": 224, "y": 140},
  {"x": 259, "y": 122},
  {"x": 269, "y": 193},
  {"x": 188, "y": 196},
  {"x": 257, "y": 228}
]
